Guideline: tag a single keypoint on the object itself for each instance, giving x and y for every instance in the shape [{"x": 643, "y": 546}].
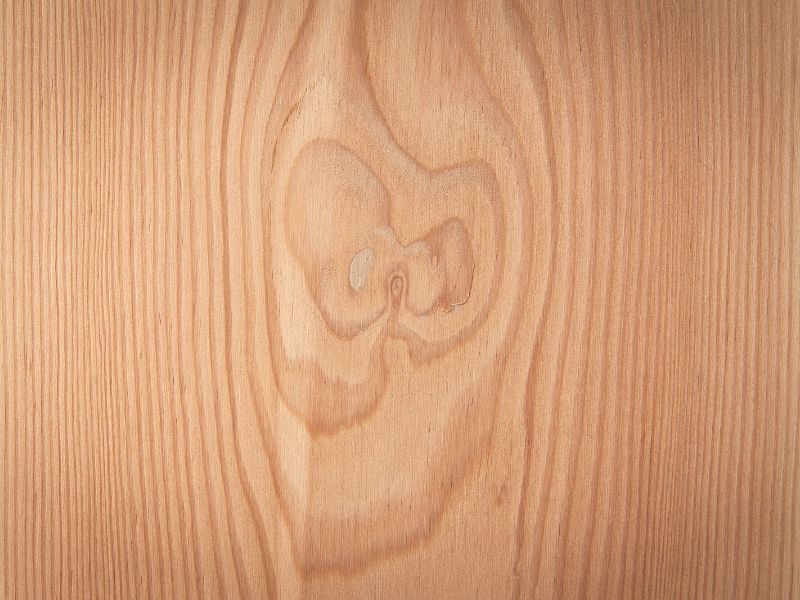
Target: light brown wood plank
[{"x": 399, "y": 299}]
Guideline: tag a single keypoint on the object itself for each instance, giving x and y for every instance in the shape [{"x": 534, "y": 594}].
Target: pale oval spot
[{"x": 359, "y": 268}]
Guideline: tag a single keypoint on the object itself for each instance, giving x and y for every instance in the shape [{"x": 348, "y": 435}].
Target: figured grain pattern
[{"x": 399, "y": 299}]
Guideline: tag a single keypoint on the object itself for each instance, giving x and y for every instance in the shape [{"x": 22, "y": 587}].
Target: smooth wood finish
[{"x": 399, "y": 299}]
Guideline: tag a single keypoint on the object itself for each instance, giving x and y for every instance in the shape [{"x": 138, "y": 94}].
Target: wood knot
[{"x": 396, "y": 286}]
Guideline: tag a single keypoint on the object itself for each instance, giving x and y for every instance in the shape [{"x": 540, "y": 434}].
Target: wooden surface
[{"x": 399, "y": 299}]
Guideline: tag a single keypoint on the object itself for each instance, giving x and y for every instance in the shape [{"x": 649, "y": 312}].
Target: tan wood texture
[{"x": 399, "y": 299}]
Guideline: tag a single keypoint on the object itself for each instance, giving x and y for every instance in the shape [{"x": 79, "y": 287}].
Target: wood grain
[{"x": 399, "y": 299}]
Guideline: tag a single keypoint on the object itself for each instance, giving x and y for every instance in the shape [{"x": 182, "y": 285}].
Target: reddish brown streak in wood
[
  {"x": 536, "y": 71},
  {"x": 221, "y": 589},
  {"x": 243, "y": 481}
]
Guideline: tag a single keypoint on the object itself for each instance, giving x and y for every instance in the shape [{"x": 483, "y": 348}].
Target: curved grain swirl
[{"x": 430, "y": 326}]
